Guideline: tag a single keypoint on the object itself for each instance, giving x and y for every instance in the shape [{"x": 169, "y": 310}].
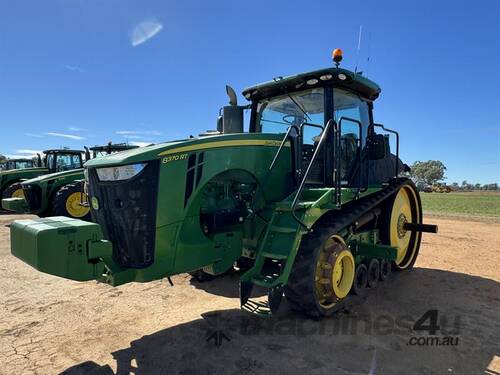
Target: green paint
[{"x": 216, "y": 202}]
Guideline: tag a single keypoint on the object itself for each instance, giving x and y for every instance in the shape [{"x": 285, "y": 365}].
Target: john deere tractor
[
  {"x": 60, "y": 193},
  {"x": 10, "y": 180},
  {"x": 20, "y": 163},
  {"x": 309, "y": 199}
]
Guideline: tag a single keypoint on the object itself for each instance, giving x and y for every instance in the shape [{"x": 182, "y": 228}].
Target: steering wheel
[{"x": 290, "y": 119}]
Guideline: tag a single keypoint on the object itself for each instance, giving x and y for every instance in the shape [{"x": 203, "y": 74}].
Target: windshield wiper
[{"x": 277, "y": 79}]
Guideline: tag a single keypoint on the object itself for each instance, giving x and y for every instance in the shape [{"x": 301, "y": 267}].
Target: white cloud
[
  {"x": 140, "y": 144},
  {"x": 21, "y": 154},
  {"x": 138, "y": 132},
  {"x": 28, "y": 152},
  {"x": 70, "y": 136},
  {"x": 17, "y": 156},
  {"x": 144, "y": 31},
  {"x": 33, "y": 135},
  {"x": 75, "y": 129},
  {"x": 74, "y": 68}
]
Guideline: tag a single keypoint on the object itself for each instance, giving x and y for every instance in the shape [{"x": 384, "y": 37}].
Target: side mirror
[{"x": 378, "y": 147}]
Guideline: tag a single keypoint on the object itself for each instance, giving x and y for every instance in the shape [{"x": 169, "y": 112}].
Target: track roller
[
  {"x": 373, "y": 273},
  {"x": 385, "y": 269},
  {"x": 360, "y": 280}
]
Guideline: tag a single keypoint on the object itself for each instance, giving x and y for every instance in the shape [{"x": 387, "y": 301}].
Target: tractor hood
[
  {"x": 162, "y": 150},
  {"x": 13, "y": 172},
  {"x": 53, "y": 176}
]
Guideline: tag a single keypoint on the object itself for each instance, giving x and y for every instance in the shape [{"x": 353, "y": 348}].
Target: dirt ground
[{"x": 50, "y": 325}]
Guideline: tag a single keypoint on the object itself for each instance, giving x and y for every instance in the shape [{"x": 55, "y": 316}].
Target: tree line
[{"x": 432, "y": 173}]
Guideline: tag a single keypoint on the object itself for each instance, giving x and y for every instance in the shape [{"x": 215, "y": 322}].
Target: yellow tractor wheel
[
  {"x": 72, "y": 201},
  {"x": 322, "y": 275},
  {"x": 13, "y": 191},
  {"x": 404, "y": 207}
]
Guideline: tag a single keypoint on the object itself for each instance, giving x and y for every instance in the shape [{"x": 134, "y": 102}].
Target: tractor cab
[
  {"x": 60, "y": 160},
  {"x": 331, "y": 108},
  {"x": 19, "y": 164},
  {"x": 110, "y": 148}
]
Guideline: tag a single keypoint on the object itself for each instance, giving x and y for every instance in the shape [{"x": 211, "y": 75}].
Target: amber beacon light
[{"x": 337, "y": 56}]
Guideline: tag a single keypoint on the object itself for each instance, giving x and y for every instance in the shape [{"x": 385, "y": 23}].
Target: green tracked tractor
[
  {"x": 60, "y": 193},
  {"x": 309, "y": 201}
]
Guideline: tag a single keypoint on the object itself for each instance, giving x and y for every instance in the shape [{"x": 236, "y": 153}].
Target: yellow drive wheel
[
  {"x": 19, "y": 193},
  {"x": 404, "y": 207},
  {"x": 334, "y": 273},
  {"x": 74, "y": 205},
  {"x": 72, "y": 201},
  {"x": 14, "y": 190},
  {"x": 322, "y": 275}
]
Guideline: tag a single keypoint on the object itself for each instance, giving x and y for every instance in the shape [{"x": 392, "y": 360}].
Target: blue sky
[{"x": 82, "y": 72}]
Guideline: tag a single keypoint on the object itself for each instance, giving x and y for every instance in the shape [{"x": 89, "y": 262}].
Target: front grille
[
  {"x": 127, "y": 214},
  {"x": 33, "y": 195}
]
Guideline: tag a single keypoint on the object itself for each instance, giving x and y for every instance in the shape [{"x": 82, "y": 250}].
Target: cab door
[{"x": 352, "y": 115}]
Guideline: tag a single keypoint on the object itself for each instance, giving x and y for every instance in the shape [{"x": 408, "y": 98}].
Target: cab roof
[
  {"x": 113, "y": 146},
  {"x": 341, "y": 78},
  {"x": 19, "y": 159},
  {"x": 63, "y": 150}
]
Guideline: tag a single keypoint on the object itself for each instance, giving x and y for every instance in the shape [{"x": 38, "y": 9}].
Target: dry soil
[{"x": 49, "y": 325}]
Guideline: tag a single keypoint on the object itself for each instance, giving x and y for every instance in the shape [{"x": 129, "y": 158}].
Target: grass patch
[{"x": 468, "y": 204}]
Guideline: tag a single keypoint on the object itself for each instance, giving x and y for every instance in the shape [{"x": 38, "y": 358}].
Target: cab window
[
  {"x": 276, "y": 114},
  {"x": 352, "y": 115},
  {"x": 66, "y": 162}
]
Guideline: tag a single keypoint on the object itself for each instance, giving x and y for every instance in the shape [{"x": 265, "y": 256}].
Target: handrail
[
  {"x": 360, "y": 140},
  {"x": 304, "y": 178},
  {"x": 397, "y": 146},
  {"x": 285, "y": 138},
  {"x": 275, "y": 159}
]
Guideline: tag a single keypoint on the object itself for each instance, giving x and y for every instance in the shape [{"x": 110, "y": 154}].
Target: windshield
[
  {"x": 275, "y": 115},
  {"x": 23, "y": 164},
  {"x": 65, "y": 162},
  {"x": 100, "y": 154}
]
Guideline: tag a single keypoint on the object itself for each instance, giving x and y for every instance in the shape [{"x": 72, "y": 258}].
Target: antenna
[{"x": 359, "y": 47}]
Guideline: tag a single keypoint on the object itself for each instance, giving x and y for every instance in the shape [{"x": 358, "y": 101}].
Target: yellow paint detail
[
  {"x": 170, "y": 158},
  {"x": 19, "y": 193},
  {"x": 217, "y": 144},
  {"x": 402, "y": 213},
  {"x": 343, "y": 274},
  {"x": 335, "y": 269},
  {"x": 74, "y": 205}
]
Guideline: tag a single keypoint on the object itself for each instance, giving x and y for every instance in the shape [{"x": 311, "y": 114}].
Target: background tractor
[
  {"x": 309, "y": 199},
  {"x": 21, "y": 163},
  {"x": 52, "y": 161},
  {"x": 60, "y": 193}
]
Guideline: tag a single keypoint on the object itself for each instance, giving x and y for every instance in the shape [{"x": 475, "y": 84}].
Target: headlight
[{"x": 123, "y": 172}]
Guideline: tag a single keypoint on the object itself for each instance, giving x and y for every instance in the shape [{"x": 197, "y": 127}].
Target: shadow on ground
[
  {"x": 375, "y": 335},
  {"x": 225, "y": 285}
]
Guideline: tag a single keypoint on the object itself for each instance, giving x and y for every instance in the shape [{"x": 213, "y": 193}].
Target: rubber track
[{"x": 299, "y": 289}]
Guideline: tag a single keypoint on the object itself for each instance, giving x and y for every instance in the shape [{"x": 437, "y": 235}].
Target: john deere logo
[{"x": 95, "y": 203}]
